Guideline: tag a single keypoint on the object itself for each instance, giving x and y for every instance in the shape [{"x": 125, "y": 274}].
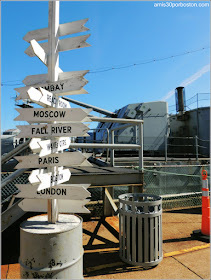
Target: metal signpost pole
[
  {"x": 57, "y": 122},
  {"x": 53, "y": 66}
]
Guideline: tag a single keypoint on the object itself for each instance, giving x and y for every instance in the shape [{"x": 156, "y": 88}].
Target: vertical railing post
[
  {"x": 112, "y": 150},
  {"x": 94, "y": 140},
  {"x": 166, "y": 147},
  {"x": 107, "y": 150},
  {"x": 197, "y": 147},
  {"x": 136, "y": 134},
  {"x": 141, "y": 143}
]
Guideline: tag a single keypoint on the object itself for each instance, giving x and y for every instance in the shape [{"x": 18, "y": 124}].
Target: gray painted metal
[
  {"x": 111, "y": 146},
  {"x": 51, "y": 251},
  {"x": 14, "y": 152},
  {"x": 104, "y": 176},
  {"x": 140, "y": 234},
  {"x": 11, "y": 215},
  {"x": 94, "y": 108},
  {"x": 12, "y": 176}
]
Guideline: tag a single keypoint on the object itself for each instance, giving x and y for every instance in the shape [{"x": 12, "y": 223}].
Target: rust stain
[
  {"x": 4, "y": 271},
  {"x": 114, "y": 222},
  {"x": 14, "y": 271}
]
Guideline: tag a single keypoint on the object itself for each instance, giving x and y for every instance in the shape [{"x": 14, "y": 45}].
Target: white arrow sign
[
  {"x": 48, "y": 147},
  {"x": 64, "y": 45},
  {"x": 44, "y": 98},
  {"x": 34, "y": 180},
  {"x": 40, "y": 115},
  {"x": 51, "y": 130},
  {"x": 64, "y": 206},
  {"x": 64, "y": 191},
  {"x": 64, "y": 87},
  {"x": 44, "y": 179},
  {"x": 32, "y": 80},
  {"x": 38, "y": 51},
  {"x": 52, "y": 179},
  {"x": 64, "y": 159},
  {"x": 64, "y": 29}
]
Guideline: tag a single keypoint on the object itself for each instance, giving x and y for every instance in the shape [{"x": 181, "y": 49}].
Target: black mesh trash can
[{"x": 140, "y": 229}]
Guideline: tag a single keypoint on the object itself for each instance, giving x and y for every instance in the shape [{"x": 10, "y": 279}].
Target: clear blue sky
[{"x": 122, "y": 33}]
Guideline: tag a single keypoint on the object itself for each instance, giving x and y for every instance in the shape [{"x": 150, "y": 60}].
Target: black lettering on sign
[
  {"x": 56, "y": 178},
  {"x": 48, "y": 191},
  {"x": 49, "y": 98},
  {"x": 60, "y": 129},
  {"x": 39, "y": 130},
  {"x": 51, "y": 114},
  {"x": 36, "y": 114},
  {"x": 48, "y": 160},
  {"x": 62, "y": 143},
  {"x": 52, "y": 191}
]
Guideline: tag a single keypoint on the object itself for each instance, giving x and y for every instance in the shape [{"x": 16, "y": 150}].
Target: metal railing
[
  {"x": 110, "y": 138},
  {"x": 189, "y": 143}
]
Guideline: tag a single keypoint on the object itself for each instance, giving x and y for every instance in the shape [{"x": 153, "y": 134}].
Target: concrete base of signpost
[{"x": 51, "y": 251}]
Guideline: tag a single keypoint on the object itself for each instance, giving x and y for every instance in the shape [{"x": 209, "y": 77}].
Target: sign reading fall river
[{"x": 56, "y": 122}]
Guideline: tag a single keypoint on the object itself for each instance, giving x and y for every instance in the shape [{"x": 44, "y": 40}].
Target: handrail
[
  {"x": 116, "y": 120},
  {"x": 18, "y": 149},
  {"x": 12, "y": 176}
]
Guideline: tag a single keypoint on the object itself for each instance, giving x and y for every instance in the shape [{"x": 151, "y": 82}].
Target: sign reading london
[{"x": 56, "y": 122}]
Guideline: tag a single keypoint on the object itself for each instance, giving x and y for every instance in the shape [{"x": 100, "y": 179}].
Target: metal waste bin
[{"x": 140, "y": 229}]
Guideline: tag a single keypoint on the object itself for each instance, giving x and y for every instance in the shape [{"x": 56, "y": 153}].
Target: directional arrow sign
[
  {"x": 64, "y": 159},
  {"x": 34, "y": 144},
  {"x": 64, "y": 206},
  {"x": 44, "y": 179},
  {"x": 32, "y": 80},
  {"x": 51, "y": 130},
  {"x": 53, "y": 179},
  {"x": 64, "y": 87},
  {"x": 69, "y": 191},
  {"x": 38, "y": 51},
  {"x": 39, "y": 115},
  {"x": 47, "y": 147},
  {"x": 64, "y": 29},
  {"x": 33, "y": 179},
  {"x": 44, "y": 98},
  {"x": 64, "y": 45}
]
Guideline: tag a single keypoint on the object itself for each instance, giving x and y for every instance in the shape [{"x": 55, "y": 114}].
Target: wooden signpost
[
  {"x": 44, "y": 98},
  {"x": 53, "y": 130},
  {"x": 45, "y": 115},
  {"x": 64, "y": 45},
  {"x": 64, "y": 191},
  {"x": 32, "y": 80},
  {"x": 64, "y": 205},
  {"x": 59, "y": 159},
  {"x": 64, "y": 87},
  {"x": 47, "y": 147},
  {"x": 63, "y": 30},
  {"x": 56, "y": 122}
]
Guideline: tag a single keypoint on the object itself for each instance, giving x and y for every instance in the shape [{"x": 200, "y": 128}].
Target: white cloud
[{"x": 188, "y": 81}]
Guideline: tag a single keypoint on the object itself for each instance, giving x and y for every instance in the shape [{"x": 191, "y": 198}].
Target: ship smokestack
[{"x": 180, "y": 100}]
